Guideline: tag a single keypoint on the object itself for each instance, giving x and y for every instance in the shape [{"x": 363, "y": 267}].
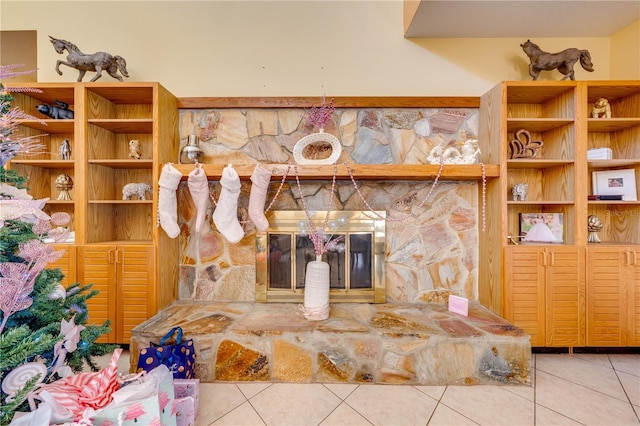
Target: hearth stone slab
[{"x": 388, "y": 343}]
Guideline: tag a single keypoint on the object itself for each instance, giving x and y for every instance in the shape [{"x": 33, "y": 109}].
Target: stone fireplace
[{"x": 429, "y": 251}]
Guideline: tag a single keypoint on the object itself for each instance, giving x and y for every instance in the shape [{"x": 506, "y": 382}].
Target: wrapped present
[
  {"x": 148, "y": 402},
  {"x": 179, "y": 357},
  {"x": 73, "y": 397},
  {"x": 185, "y": 409},
  {"x": 188, "y": 387}
]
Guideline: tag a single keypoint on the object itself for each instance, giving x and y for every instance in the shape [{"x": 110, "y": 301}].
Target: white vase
[{"x": 316, "y": 290}]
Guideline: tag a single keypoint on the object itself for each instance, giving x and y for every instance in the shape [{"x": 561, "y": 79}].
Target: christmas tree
[{"x": 43, "y": 326}]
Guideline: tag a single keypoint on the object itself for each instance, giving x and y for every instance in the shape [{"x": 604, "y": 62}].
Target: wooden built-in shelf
[
  {"x": 536, "y": 125},
  {"x": 48, "y": 126},
  {"x": 624, "y": 162},
  {"x": 606, "y": 125},
  {"x": 540, "y": 202},
  {"x": 536, "y": 163},
  {"x": 360, "y": 171},
  {"x": 45, "y": 164},
  {"x": 120, "y": 201},
  {"x": 124, "y": 164},
  {"x": 124, "y": 125}
]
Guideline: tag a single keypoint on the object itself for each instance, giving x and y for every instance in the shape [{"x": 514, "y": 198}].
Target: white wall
[{"x": 287, "y": 48}]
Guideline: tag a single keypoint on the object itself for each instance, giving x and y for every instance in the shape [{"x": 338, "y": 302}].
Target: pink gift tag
[{"x": 459, "y": 305}]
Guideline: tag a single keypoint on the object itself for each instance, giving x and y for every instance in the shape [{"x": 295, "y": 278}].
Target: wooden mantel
[
  {"x": 360, "y": 171},
  {"x": 338, "y": 102}
]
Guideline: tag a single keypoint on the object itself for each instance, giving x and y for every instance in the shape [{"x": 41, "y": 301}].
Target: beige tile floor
[{"x": 568, "y": 389}]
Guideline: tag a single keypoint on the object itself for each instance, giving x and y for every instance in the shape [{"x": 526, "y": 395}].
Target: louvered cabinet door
[
  {"x": 96, "y": 265},
  {"x": 634, "y": 279},
  {"x": 524, "y": 291},
  {"x": 565, "y": 296},
  {"x": 609, "y": 307},
  {"x": 66, "y": 264},
  {"x": 136, "y": 297}
]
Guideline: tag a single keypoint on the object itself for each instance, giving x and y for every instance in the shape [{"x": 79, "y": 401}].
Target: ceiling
[{"x": 518, "y": 18}]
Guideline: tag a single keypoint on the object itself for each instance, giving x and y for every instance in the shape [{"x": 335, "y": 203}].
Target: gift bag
[
  {"x": 148, "y": 402},
  {"x": 185, "y": 411},
  {"x": 179, "y": 357},
  {"x": 188, "y": 387}
]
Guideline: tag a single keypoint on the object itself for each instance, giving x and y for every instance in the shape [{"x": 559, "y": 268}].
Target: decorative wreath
[{"x": 301, "y": 154}]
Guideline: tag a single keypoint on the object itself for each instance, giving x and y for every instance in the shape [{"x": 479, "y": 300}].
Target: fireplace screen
[{"x": 356, "y": 259}]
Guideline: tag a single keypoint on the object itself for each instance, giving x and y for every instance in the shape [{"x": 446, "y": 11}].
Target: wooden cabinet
[
  {"x": 613, "y": 303},
  {"x": 560, "y": 181},
  {"x": 125, "y": 278},
  {"x": 117, "y": 241},
  {"x": 544, "y": 293}
]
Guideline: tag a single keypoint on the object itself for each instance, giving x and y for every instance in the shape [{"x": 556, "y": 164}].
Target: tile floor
[{"x": 568, "y": 389}]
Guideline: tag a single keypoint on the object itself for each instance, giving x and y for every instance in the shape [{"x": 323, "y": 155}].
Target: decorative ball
[
  {"x": 58, "y": 293},
  {"x": 63, "y": 182},
  {"x": 594, "y": 224},
  {"x": 82, "y": 345}
]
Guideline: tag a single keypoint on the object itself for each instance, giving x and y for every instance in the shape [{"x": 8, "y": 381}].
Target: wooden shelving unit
[
  {"x": 117, "y": 241},
  {"x": 575, "y": 293}
]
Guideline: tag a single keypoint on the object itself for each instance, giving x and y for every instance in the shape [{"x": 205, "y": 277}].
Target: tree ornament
[
  {"x": 16, "y": 379},
  {"x": 58, "y": 293}
]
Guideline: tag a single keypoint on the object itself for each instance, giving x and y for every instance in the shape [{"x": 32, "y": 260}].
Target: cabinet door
[
  {"x": 67, "y": 263},
  {"x": 524, "y": 291},
  {"x": 136, "y": 297},
  {"x": 607, "y": 294},
  {"x": 565, "y": 296},
  {"x": 633, "y": 278},
  {"x": 96, "y": 265}
]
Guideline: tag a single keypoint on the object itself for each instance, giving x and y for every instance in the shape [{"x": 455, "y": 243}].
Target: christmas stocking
[
  {"x": 199, "y": 189},
  {"x": 167, "y": 204},
  {"x": 225, "y": 215},
  {"x": 259, "y": 185}
]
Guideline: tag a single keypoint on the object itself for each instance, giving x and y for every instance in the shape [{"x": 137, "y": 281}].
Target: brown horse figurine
[
  {"x": 563, "y": 61},
  {"x": 95, "y": 62}
]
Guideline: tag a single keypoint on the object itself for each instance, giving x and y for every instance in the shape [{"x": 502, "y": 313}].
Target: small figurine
[
  {"x": 563, "y": 61},
  {"x": 134, "y": 149},
  {"x": 601, "y": 109},
  {"x": 65, "y": 150},
  {"x": 59, "y": 112},
  {"x": 64, "y": 184},
  {"x": 138, "y": 190},
  {"x": 520, "y": 191},
  {"x": 94, "y": 62}
]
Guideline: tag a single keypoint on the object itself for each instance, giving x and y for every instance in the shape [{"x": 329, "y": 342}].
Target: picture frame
[
  {"x": 542, "y": 228},
  {"x": 615, "y": 182}
]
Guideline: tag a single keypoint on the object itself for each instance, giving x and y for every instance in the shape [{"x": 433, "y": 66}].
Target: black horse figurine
[
  {"x": 563, "y": 61},
  {"x": 95, "y": 62}
]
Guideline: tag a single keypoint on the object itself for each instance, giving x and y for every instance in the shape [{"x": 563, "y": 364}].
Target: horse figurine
[
  {"x": 563, "y": 61},
  {"x": 95, "y": 62}
]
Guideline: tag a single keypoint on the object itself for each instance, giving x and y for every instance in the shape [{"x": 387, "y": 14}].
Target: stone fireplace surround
[{"x": 431, "y": 252}]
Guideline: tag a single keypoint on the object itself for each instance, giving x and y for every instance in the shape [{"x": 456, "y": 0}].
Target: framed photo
[
  {"x": 542, "y": 227},
  {"x": 616, "y": 182}
]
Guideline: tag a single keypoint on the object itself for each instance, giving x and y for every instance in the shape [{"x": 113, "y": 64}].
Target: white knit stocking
[
  {"x": 225, "y": 215},
  {"x": 167, "y": 204},
  {"x": 199, "y": 189},
  {"x": 259, "y": 186}
]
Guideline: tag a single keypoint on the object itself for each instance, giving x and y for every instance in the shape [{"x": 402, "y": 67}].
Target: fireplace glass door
[{"x": 355, "y": 258}]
